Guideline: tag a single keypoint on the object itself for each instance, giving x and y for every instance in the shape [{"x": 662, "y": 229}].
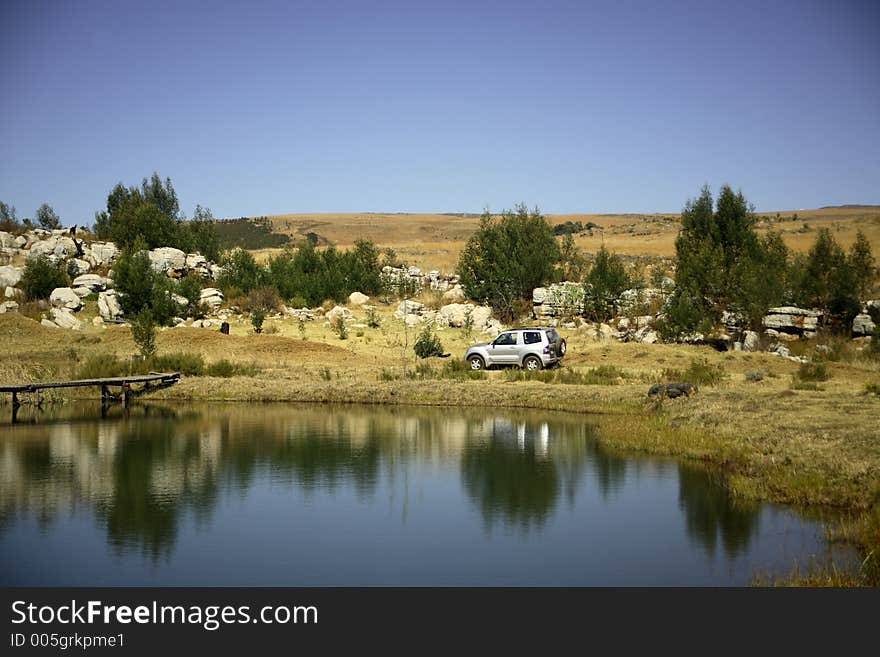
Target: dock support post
[
  {"x": 125, "y": 389},
  {"x": 15, "y": 405}
]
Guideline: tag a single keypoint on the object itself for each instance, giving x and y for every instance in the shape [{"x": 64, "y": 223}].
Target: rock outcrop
[
  {"x": 672, "y": 389},
  {"x": 10, "y": 275},
  {"x": 863, "y": 325},
  {"x": 108, "y": 306},
  {"x": 357, "y": 299},
  {"x": 65, "y": 297},
  {"x": 211, "y": 297},
  {"x": 168, "y": 260},
  {"x": 793, "y": 320}
]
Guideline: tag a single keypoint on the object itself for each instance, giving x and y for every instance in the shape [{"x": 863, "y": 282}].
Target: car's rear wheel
[
  {"x": 477, "y": 363},
  {"x": 532, "y": 363}
]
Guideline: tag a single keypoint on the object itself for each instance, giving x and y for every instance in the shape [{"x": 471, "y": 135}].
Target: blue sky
[{"x": 269, "y": 107}]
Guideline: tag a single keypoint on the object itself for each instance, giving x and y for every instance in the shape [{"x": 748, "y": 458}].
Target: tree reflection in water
[
  {"x": 712, "y": 514},
  {"x": 142, "y": 476}
]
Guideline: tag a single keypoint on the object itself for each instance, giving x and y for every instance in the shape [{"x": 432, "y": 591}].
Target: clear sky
[{"x": 269, "y": 107}]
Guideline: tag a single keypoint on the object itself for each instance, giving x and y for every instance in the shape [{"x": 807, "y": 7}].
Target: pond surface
[{"x": 281, "y": 495}]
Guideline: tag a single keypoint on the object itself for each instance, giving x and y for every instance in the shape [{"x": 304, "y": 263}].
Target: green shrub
[
  {"x": 427, "y": 343},
  {"x": 297, "y": 301},
  {"x": 506, "y": 258},
  {"x": 372, "y": 317},
  {"x": 190, "y": 288},
  {"x": 40, "y": 277},
  {"x": 326, "y": 375},
  {"x": 702, "y": 372},
  {"x": 141, "y": 288},
  {"x": 805, "y": 385},
  {"x": 339, "y": 327},
  {"x": 873, "y": 388},
  {"x": 143, "y": 332},
  {"x": 258, "y": 316},
  {"x": 264, "y": 298},
  {"x": 813, "y": 371},
  {"x": 604, "y": 284}
]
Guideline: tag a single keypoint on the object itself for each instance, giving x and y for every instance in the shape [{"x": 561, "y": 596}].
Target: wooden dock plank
[{"x": 163, "y": 377}]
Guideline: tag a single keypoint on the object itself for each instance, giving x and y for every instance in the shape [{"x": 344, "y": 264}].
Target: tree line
[{"x": 721, "y": 264}]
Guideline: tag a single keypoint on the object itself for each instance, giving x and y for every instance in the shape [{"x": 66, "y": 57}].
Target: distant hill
[{"x": 433, "y": 241}]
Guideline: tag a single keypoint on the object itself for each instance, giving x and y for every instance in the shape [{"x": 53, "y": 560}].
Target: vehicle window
[
  {"x": 531, "y": 337},
  {"x": 506, "y": 338},
  {"x": 552, "y": 335}
]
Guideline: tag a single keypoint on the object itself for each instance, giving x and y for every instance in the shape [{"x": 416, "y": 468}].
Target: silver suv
[{"x": 531, "y": 348}]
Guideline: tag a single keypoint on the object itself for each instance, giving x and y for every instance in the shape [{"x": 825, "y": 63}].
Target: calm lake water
[{"x": 311, "y": 496}]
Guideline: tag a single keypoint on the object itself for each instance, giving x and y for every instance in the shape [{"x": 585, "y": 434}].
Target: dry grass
[{"x": 433, "y": 241}]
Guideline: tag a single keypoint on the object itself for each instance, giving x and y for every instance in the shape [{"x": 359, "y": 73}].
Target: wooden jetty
[{"x": 151, "y": 381}]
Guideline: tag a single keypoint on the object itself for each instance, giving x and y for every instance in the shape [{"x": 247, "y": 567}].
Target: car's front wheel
[
  {"x": 532, "y": 363},
  {"x": 477, "y": 363}
]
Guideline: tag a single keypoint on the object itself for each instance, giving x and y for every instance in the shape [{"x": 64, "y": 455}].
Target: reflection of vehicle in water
[{"x": 522, "y": 434}]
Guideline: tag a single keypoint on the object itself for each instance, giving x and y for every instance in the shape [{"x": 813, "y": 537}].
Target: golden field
[{"x": 433, "y": 241}]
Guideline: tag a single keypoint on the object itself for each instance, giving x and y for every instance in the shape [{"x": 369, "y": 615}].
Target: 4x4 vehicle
[{"x": 531, "y": 348}]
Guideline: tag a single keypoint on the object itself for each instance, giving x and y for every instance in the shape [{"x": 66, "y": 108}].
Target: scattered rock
[
  {"x": 338, "y": 311},
  {"x": 94, "y": 282},
  {"x": 108, "y": 306},
  {"x": 103, "y": 253},
  {"x": 409, "y": 307},
  {"x": 863, "y": 325},
  {"x": 455, "y": 295},
  {"x": 65, "y": 297},
  {"x": 751, "y": 341},
  {"x": 9, "y": 307},
  {"x": 168, "y": 260},
  {"x": 564, "y": 299},
  {"x": 411, "y": 319},
  {"x": 211, "y": 297},
  {"x": 357, "y": 299},
  {"x": 790, "y": 319},
  {"x": 76, "y": 267},
  {"x": 10, "y": 275},
  {"x": 63, "y": 318},
  {"x": 672, "y": 389}
]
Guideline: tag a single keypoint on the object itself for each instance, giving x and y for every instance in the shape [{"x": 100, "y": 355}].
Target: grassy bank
[{"x": 776, "y": 434}]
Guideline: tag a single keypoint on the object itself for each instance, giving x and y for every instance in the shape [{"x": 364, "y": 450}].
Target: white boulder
[
  {"x": 863, "y": 325},
  {"x": 211, "y": 297},
  {"x": 455, "y": 295},
  {"x": 94, "y": 282},
  {"x": 10, "y": 275},
  {"x": 168, "y": 260},
  {"x": 357, "y": 299},
  {"x": 76, "y": 267},
  {"x": 63, "y": 318},
  {"x": 790, "y": 319},
  {"x": 103, "y": 253},
  {"x": 338, "y": 311},
  {"x": 65, "y": 297},
  {"x": 108, "y": 306},
  {"x": 751, "y": 341}
]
